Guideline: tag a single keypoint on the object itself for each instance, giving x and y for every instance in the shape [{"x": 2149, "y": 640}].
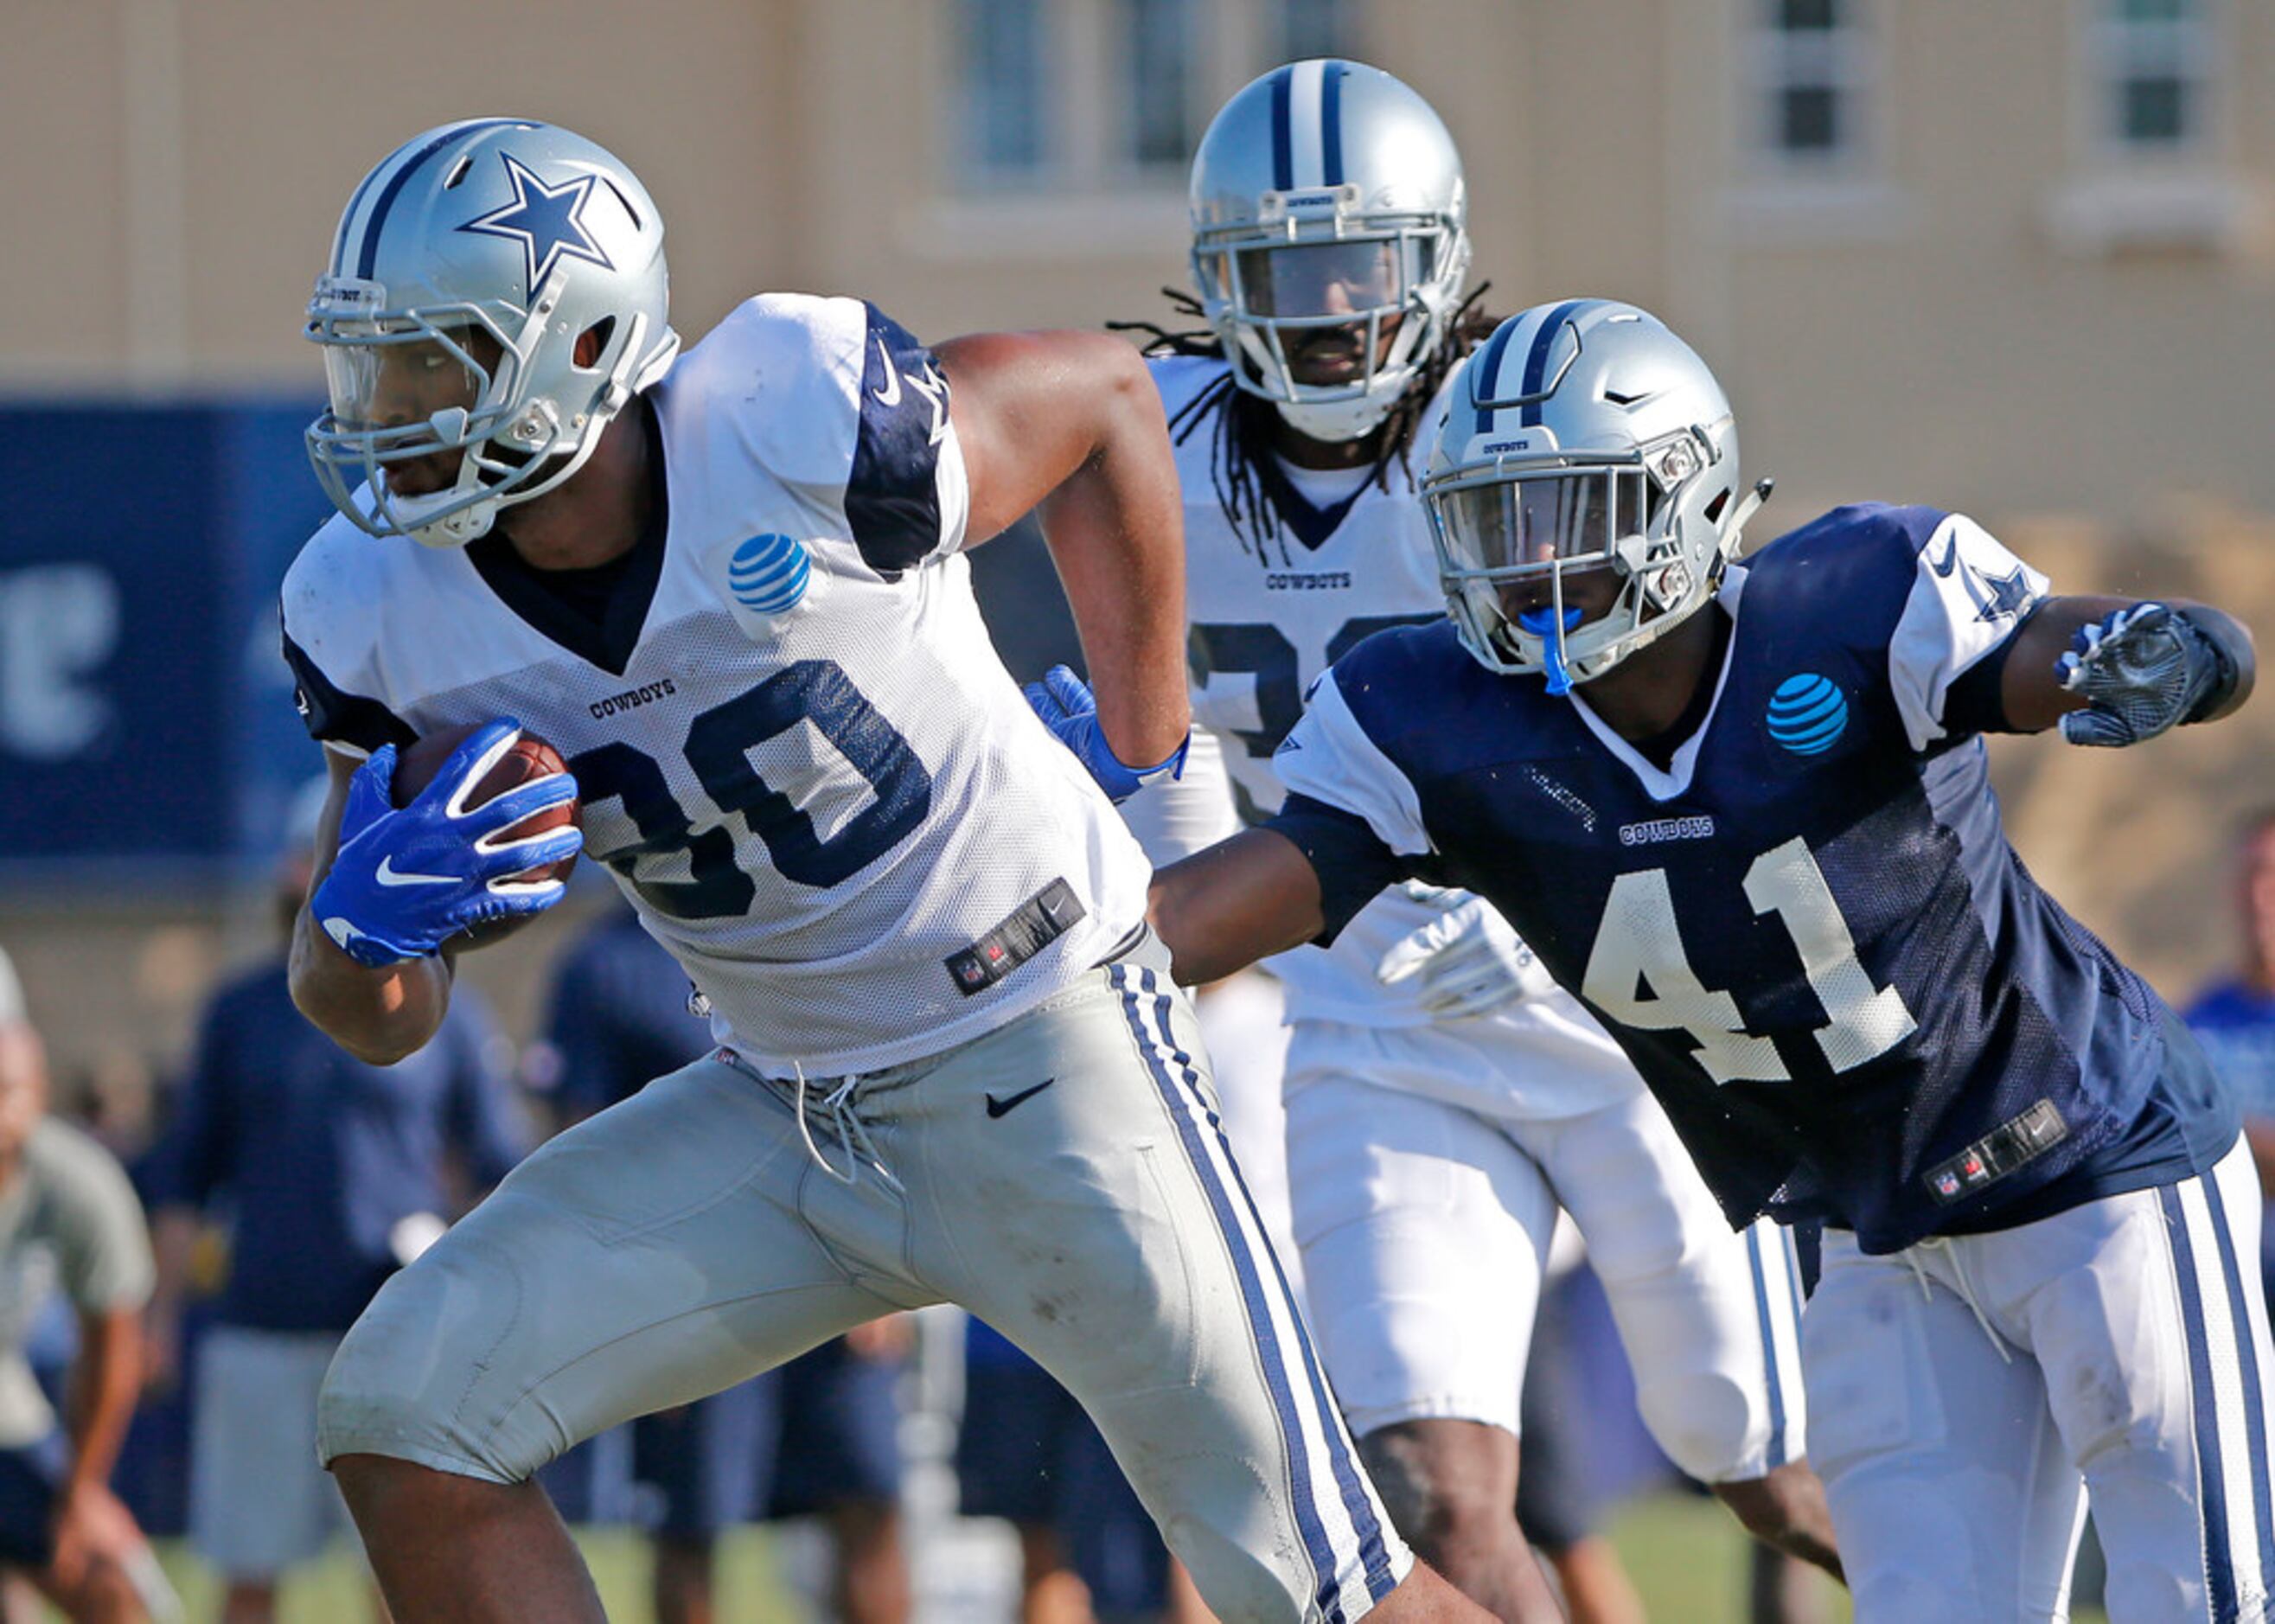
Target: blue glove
[
  {"x": 408, "y": 880},
  {"x": 1063, "y": 701},
  {"x": 2142, "y": 670}
]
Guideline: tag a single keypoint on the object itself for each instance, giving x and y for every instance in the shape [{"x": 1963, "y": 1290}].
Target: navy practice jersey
[
  {"x": 320, "y": 1158},
  {"x": 1809, "y": 931}
]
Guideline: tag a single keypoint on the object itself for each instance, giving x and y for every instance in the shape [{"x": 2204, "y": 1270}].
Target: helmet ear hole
[
  {"x": 593, "y": 342},
  {"x": 1713, "y": 509}
]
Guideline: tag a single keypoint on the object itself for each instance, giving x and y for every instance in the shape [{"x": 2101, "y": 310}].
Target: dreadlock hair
[{"x": 1245, "y": 422}]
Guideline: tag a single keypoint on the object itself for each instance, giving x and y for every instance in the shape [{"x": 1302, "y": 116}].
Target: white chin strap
[
  {"x": 1351, "y": 418},
  {"x": 467, "y": 524}
]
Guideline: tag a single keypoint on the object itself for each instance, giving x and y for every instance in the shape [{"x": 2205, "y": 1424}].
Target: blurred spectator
[
  {"x": 2234, "y": 1018},
  {"x": 1026, "y": 1453},
  {"x": 333, "y": 1174},
  {"x": 819, "y": 1436},
  {"x": 68, "y": 1220},
  {"x": 1560, "y": 1489}
]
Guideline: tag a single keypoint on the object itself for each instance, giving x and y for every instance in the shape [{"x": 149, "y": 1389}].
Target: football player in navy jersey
[
  {"x": 729, "y": 585},
  {"x": 1742, "y": 810}
]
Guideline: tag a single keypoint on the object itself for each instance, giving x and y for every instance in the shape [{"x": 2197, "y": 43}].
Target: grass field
[
  {"x": 1691, "y": 1567},
  {"x": 1687, "y": 1558}
]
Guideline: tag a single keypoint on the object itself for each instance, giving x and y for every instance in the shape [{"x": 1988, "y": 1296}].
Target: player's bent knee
[
  {"x": 372, "y": 1406},
  {"x": 1715, "y": 1428},
  {"x": 2147, "y": 1591},
  {"x": 1235, "y": 1580}
]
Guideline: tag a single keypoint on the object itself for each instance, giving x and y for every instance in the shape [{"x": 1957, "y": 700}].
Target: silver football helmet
[
  {"x": 1329, "y": 237},
  {"x": 467, "y": 270},
  {"x": 1582, "y": 436}
]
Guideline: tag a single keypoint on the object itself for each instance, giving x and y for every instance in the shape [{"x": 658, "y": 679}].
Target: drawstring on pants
[
  {"x": 851, "y": 1133},
  {"x": 1966, "y": 1287}
]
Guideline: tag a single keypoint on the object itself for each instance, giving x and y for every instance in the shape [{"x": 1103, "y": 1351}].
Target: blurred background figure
[
  {"x": 330, "y": 1175},
  {"x": 1570, "y": 1456},
  {"x": 2234, "y": 1017},
  {"x": 69, "y": 1222},
  {"x": 817, "y": 1436},
  {"x": 1025, "y": 1453}
]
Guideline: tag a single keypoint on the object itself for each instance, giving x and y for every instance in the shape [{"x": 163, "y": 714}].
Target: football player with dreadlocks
[{"x": 1443, "y": 1096}]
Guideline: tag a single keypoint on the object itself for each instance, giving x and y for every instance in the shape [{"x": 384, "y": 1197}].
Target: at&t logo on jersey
[
  {"x": 1807, "y": 715},
  {"x": 768, "y": 574}
]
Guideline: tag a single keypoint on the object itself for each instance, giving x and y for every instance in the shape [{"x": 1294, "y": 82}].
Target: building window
[
  {"x": 1812, "y": 67},
  {"x": 2153, "y": 64},
  {"x": 1313, "y": 29},
  {"x": 1157, "y": 83},
  {"x": 1053, "y": 98},
  {"x": 1003, "y": 73}
]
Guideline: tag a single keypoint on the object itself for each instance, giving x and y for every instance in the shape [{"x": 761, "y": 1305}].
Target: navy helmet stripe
[
  {"x": 340, "y": 248},
  {"x": 369, "y": 254},
  {"x": 1754, "y": 1258},
  {"x": 1544, "y": 342},
  {"x": 1283, "y": 156},
  {"x": 1331, "y": 123},
  {"x": 2218, "y": 1559},
  {"x": 1136, "y": 995},
  {"x": 2247, "y": 1352},
  {"x": 1485, "y": 369}
]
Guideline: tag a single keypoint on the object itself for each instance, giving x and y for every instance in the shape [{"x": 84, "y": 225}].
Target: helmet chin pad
[
  {"x": 1352, "y": 418},
  {"x": 458, "y": 522}
]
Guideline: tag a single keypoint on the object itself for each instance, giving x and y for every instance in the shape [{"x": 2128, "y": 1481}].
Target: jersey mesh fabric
[
  {"x": 852, "y": 976},
  {"x": 814, "y": 806}
]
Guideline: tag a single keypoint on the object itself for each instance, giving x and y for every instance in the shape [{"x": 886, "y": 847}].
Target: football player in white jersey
[
  {"x": 1443, "y": 1096},
  {"x": 727, "y": 585}
]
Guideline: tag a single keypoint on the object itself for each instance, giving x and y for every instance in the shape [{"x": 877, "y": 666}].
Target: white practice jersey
[
  {"x": 1268, "y": 615},
  {"x": 796, "y": 747}
]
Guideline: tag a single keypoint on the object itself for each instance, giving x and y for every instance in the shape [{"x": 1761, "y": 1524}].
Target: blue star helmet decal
[{"x": 546, "y": 221}]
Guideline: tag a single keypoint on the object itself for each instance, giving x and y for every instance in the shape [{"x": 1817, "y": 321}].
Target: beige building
[{"x": 2013, "y": 256}]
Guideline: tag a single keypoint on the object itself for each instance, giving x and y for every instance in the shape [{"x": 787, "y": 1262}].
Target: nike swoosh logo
[
  {"x": 1950, "y": 558},
  {"x": 997, "y": 1107},
  {"x": 390, "y": 875},
  {"x": 890, "y": 395}
]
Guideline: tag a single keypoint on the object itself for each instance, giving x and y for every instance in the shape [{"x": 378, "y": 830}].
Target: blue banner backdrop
[{"x": 145, "y": 717}]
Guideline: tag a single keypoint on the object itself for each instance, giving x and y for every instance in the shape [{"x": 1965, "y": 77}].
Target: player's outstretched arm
[
  {"x": 1239, "y": 900},
  {"x": 378, "y": 1015},
  {"x": 2119, "y": 670},
  {"x": 1069, "y": 423}
]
